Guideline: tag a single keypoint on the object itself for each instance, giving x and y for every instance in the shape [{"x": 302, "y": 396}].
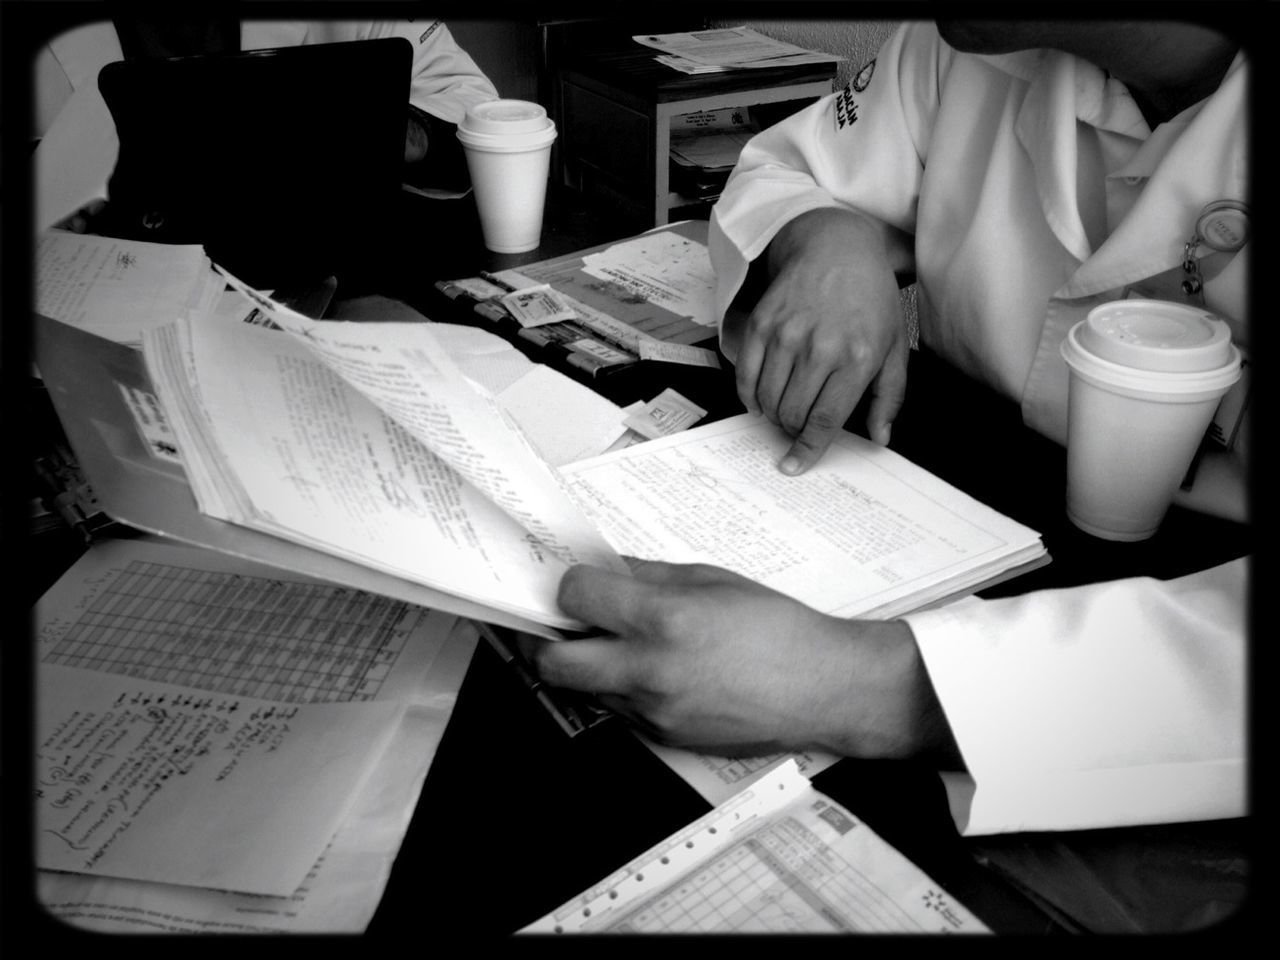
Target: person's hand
[
  {"x": 702, "y": 657},
  {"x": 84, "y": 219},
  {"x": 827, "y": 328},
  {"x": 415, "y": 139}
]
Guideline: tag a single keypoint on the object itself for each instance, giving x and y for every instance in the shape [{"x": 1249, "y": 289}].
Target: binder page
[
  {"x": 322, "y": 465},
  {"x": 146, "y": 608},
  {"x": 407, "y": 374},
  {"x": 864, "y": 532},
  {"x": 779, "y": 857}
]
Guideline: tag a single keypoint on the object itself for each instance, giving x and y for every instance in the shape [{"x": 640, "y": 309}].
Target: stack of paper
[
  {"x": 119, "y": 288},
  {"x": 366, "y": 441},
  {"x": 225, "y": 748},
  {"x": 704, "y": 51},
  {"x": 704, "y": 149}
]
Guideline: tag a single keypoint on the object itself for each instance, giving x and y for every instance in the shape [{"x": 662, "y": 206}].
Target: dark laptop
[{"x": 284, "y": 163}]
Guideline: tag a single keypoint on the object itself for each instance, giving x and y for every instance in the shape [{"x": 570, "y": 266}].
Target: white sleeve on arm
[
  {"x": 862, "y": 147},
  {"x": 446, "y": 80},
  {"x": 1113, "y": 704}
]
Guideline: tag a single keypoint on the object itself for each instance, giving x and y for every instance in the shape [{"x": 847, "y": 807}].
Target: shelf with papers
[{"x": 619, "y": 107}]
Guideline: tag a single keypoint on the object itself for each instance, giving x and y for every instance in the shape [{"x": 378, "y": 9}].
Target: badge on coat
[{"x": 846, "y": 108}]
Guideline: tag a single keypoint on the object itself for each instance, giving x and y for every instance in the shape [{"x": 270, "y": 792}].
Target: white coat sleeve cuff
[{"x": 1113, "y": 704}]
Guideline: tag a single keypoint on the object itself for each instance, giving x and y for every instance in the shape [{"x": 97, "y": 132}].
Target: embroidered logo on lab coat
[
  {"x": 428, "y": 32},
  {"x": 846, "y": 108}
]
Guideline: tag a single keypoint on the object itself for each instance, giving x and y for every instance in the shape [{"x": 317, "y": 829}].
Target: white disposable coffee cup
[
  {"x": 1145, "y": 379},
  {"x": 508, "y": 149}
]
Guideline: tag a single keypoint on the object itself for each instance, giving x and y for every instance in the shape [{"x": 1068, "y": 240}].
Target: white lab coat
[
  {"x": 78, "y": 147},
  {"x": 1034, "y": 189}
]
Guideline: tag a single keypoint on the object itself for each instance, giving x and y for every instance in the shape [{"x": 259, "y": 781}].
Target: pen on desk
[
  {"x": 497, "y": 281},
  {"x": 572, "y": 725}
]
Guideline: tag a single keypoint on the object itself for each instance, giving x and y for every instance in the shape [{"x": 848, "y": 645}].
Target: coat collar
[{"x": 1189, "y": 161}]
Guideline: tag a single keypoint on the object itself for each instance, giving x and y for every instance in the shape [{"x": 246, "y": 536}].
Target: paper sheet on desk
[
  {"x": 733, "y": 47},
  {"x": 563, "y": 419},
  {"x": 402, "y": 654},
  {"x": 651, "y": 295},
  {"x": 777, "y": 857},
  {"x": 173, "y": 784},
  {"x": 119, "y": 288},
  {"x": 717, "y": 778},
  {"x": 663, "y": 268}
]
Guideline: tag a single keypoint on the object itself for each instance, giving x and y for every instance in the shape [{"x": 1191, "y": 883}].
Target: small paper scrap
[
  {"x": 475, "y": 287},
  {"x": 652, "y": 348},
  {"x": 600, "y": 351},
  {"x": 536, "y": 306},
  {"x": 665, "y": 414}
]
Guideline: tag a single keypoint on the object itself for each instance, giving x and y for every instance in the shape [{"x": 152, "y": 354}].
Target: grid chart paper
[
  {"x": 777, "y": 857},
  {"x": 231, "y": 633},
  {"x": 759, "y": 885}
]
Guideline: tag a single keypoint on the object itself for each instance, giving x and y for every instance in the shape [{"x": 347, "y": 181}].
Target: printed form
[
  {"x": 317, "y": 408},
  {"x": 139, "y": 620},
  {"x": 778, "y": 857}
]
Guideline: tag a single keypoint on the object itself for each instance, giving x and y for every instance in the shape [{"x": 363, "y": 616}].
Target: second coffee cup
[{"x": 1145, "y": 379}]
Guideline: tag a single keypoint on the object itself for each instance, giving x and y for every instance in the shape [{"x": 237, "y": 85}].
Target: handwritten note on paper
[
  {"x": 413, "y": 381},
  {"x": 149, "y": 609},
  {"x": 714, "y": 495},
  {"x": 118, "y": 288},
  {"x": 152, "y": 781}
]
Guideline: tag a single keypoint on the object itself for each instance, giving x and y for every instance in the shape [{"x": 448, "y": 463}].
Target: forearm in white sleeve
[
  {"x": 1112, "y": 704},
  {"x": 446, "y": 80},
  {"x": 862, "y": 148}
]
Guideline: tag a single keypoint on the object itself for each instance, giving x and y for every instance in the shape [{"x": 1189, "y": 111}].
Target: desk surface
[{"x": 553, "y": 814}]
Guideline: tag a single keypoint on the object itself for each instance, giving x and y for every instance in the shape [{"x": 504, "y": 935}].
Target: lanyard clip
[{"x": 1222, "y": 226}]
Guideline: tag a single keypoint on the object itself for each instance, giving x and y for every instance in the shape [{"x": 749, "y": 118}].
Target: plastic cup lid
[
  {"x": 1156, "y": 335},
  {"x": 505, "y": 117}
]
